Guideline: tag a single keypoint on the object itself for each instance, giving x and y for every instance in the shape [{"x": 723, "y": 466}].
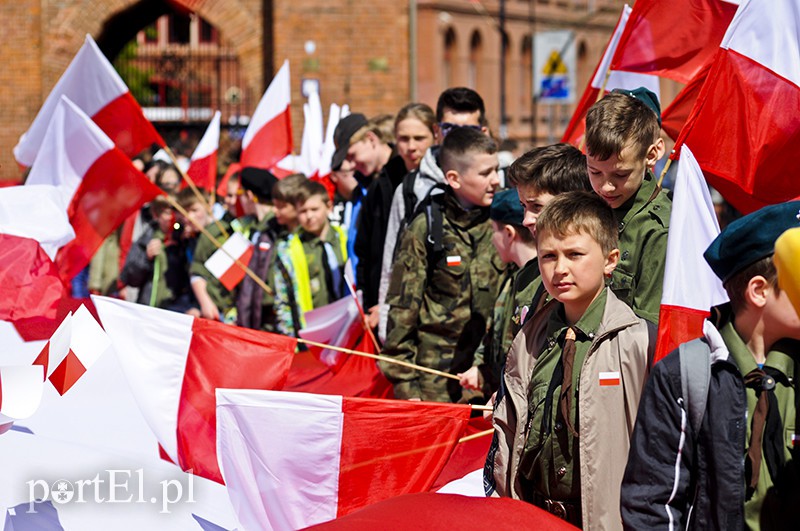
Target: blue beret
[
  {"x": 506, "y": 207},
  {"x": 648, "y": 97},
  {"x": 751, "y": 238}
]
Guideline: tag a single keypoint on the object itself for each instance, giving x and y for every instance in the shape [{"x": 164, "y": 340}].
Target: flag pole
[
  {"x": 364, "y": 322},
  {"x": 219, "y": 246},
  {"x": 196, "y": 191},
  {"x": 379, "y": 357},
  {"x": 666, "y": 169}
]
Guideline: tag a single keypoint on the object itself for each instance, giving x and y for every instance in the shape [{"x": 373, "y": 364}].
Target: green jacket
[
  {"x": 225, "y": 300},
  {"x": 643, "y": 225},
  {"x": 510, "y": 310},
  {"x": 440, "y": 303}
]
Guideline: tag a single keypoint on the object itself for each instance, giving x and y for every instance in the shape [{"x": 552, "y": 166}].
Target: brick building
[{"x": 375, "y": 56}]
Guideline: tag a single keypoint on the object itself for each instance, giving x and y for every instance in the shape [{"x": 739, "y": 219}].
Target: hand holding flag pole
[
  {"x": 208, "y": 235},
  {"x": 193, "y": 186}
]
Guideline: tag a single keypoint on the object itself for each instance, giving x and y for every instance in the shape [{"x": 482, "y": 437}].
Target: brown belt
[{"x": 571, "y": 512}]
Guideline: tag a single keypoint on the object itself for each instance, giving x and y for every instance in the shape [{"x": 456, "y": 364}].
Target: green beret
[
  {"x": 646, "y": 96},
  {"x": 506, "y": 207},
  {"x": 751, "y": 238}
]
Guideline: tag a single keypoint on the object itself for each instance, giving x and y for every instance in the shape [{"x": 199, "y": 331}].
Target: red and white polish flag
[
  {"x": 338, "y": 324},
  {"x": 74, "y": 347},
  {"x": 690, "y": 286},
  {"x": 30, "y": 286},
  {"x": 174, "y": 363},
  {"x": 21, "y": 389},
  {"x": 291, "y": 460},
  {"x": 99, "y": 183},
  {"x": 673, "y": 39},
  {"x": 222, "y": 265},
  {"x": 616, "y": 79},
  {"x": 268, "y": 138},
  {"x": 743, "y": 129},
  {"x": 92, "y": 83},
  {"x": 203, "y": 165},
  {"x": 38, "y": 212}
]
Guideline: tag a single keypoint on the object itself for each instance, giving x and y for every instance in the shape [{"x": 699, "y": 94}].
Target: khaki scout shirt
[
  {"x": 779, "y": 358},
  {"x": 554, "y": 463}
]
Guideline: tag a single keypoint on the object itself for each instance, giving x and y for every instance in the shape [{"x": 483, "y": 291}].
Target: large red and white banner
[
  {"x": 291, "y": 460},
  {"x": 174, "y": 362}
]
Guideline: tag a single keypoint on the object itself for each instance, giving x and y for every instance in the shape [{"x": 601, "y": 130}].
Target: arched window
[
  {"x": 449, "y": 57},
  {"x": 475, "y": 58}
]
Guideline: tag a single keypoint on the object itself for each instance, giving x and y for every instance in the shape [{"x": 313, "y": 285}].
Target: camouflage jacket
[
  {"x": 440, "y": 303},
  {"x": 510, "y": 310},
  {"x": 643, "y": 226}
]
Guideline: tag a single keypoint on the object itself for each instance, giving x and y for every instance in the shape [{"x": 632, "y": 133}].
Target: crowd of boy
[{"x": 541, "y": 297}]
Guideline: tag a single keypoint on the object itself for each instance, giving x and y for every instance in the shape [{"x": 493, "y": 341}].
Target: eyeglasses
[{"x": 447, "y": 127}]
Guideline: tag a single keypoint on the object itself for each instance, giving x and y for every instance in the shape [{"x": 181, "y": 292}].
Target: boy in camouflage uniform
[
  {"x": 444, "y": 282},
  {"x": 623, "y": 144},
  {"x": 515, "y": 246}
]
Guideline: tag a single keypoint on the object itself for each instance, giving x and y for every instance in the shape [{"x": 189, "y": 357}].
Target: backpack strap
[
  {"x": 695, "y": 361},
  {"x": 409, "y": 197}
]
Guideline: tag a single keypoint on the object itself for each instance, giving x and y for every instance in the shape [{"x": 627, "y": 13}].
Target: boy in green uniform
[
  {"x": 573, "y": 376},
  {"x": 515, "y": 246},
  {"x": 444, "y": 281},
  {"x": 623, "y": 144},
  {"x": 314, "y": 259},
  {"x": 715, "y": 443},
  {"x": 539, "y": 175}
]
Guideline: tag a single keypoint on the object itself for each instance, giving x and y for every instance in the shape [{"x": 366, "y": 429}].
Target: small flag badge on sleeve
[
  {"x": 453, "y": 261},
  {"x": 609, "y": 378}
]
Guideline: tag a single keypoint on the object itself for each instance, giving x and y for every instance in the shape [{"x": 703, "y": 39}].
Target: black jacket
[{"x": 372, "y": 222}]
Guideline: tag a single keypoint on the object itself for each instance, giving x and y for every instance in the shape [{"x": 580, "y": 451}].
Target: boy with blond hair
[{"x": 573, "y": 377}]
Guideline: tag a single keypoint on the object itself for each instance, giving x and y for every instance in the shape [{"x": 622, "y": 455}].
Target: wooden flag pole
[
  {"x": 208, "y": 235},
  {"x": 381, "y": 358},
  {"x": 666, "y": 169},
  {"x": 196, "y": 191}
]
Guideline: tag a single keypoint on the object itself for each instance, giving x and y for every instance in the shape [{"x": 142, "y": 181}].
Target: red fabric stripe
[
  {"x": 394, "y": 447},
  {"x": 124, "y": 122},
  {"x": 111, "y": 190},
  {"x": 235, "y": 274},
  {"x": 746, "y": 104},
  {"x": 677, "y": 325},
  {"x": 270, "y": 144},
  {"x": 67, "y": 373},
  {"x": 468, "y": 456},
  {"x": 609, "y": 381},
  {"x": 672, "y": 39},
  {"x": 43, "y": 358},
  {"x": 447, "y": 511},
  {"x": 675, "y": 116},
  {"x": 577, "y": 124},
  {"x": 204, "y": 172},
  {"x": 29, "y": 283},
  {"x": 228, "y": 357},
  {"x": 354, "y": 376}
]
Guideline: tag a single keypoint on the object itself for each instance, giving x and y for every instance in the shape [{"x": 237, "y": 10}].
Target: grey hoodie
[{"x": 428, "y": 176}]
